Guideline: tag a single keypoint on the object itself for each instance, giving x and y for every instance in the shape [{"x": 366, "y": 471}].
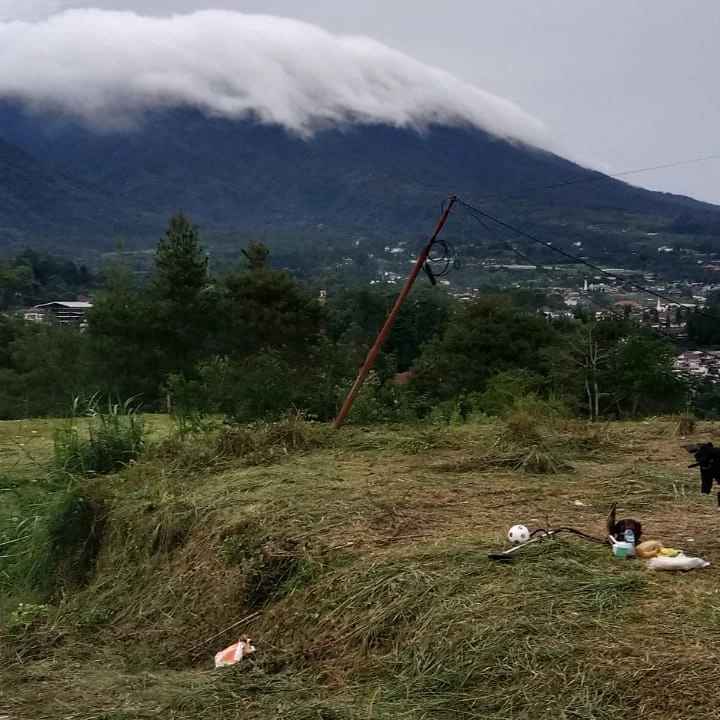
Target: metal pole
[{"x": 372, "y": 355}]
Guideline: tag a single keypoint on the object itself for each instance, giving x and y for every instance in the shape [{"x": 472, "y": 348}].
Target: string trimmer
[{"x": 538, "y": 536}]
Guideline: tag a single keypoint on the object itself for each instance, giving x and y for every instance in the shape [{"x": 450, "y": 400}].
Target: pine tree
[
  {"x": 182, "y": 302},
  {"x": 256, "y": 255},
  {"x": 181, "y": 266}
]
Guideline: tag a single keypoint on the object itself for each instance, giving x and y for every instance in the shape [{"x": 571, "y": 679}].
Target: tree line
[
  {"x": 253, "y": 342},
  {"x": 30, "y": 278}
]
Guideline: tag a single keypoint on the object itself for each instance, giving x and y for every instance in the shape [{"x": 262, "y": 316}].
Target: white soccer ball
[{"x": 518, "y": 534}]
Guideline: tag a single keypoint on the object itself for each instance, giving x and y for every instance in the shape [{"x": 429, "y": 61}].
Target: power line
[
  {"x": 578, "y": 259},
  {"x": 523, "y": 256},
  {"x": 575, "y": 258},
  {"x": 520, "y": 254},
  {"x": 598, "y": 176}
]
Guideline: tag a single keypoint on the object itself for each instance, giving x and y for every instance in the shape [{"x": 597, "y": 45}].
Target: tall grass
[
  {"x": 115, "y": 437},
  {"x": 51, "y": 542}
]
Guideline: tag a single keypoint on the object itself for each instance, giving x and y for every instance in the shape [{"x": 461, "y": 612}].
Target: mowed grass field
[
  {"x": 26, "y": 446},
  {"x": 358, "y": 564}
]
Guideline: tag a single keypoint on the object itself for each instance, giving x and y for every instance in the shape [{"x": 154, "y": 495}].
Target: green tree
[
  {"x": 264, "y": 385},
  {"x": 355, "y": 317},
  {"x": 142, "y": 335},
  {"x": 706, "y": 403},
  {"x": 9, "y": 330},
  {"x": 256, "y": 256},
  {"x": 264, "y": 309},
  {"x": 486, "y": 337},
  {"x": 703, "y": 326},
  {"x": 363, "y": 308},
  {"x": 505, "y": 389},
  {"x": 263, "y": 352},
  {"x": 32, "y": 278},
  {"x": 180, "y": 263},
  {"x": 639, "y": 377},
  {"x": 424, "y": 315},
  {"x": 182, "y": 302},
  {"x": 48, "y": 366},
  {"x": 125, "y": 347}
]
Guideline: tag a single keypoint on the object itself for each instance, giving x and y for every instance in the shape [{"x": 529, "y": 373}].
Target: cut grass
[{"x": 361, "y": 571}]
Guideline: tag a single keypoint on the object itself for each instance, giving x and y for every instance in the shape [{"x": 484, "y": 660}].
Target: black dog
[
  {"x": 617, "y": 528},
  {"x": 708, "y": 460}
]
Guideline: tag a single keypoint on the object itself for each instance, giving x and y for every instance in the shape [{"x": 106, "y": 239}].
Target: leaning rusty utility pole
[{"x": 372, "y": 355}]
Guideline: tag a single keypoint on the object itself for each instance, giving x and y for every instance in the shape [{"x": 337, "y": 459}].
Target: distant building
[
  {"x": 699, "y": 364},
  {"x": 553, "y": 314},
  {"x": 72, "y": 312},
  {"x": 34, "y": 315}
]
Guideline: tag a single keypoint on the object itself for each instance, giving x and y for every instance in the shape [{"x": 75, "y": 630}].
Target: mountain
[
  {"x": 257, "y": 125},
  {"x": 73, "y": 188},
  {"x": 36, "y": 200}
]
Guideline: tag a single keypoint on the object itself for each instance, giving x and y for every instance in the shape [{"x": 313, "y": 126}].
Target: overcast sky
[{"x": 623, "y": 83}]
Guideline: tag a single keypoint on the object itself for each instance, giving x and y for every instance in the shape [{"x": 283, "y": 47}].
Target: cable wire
[
  {"x": 575, "y": 258},
  {"x": 573, "y": 531},
  {"x": 598, "y": 177},
  {"x": 521, "y": 255}
]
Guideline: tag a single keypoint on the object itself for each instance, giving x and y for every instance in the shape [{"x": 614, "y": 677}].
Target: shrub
[
  {"x": 27, "y": 615},
  {"x": 504, "y": 390},
  {"x": 522, "y": 426},
  {"x": 116, "y": 436},
  {"x": 260, "y": 387},
  {"x": 530, "y": 418},
  {"x": 380, "y": 401},
  {"x": 263, "y": 386},
  {"x": 369, "y": 406},
  {"x": 450, "y": 412},
  {"x": 188, "y": 403}
]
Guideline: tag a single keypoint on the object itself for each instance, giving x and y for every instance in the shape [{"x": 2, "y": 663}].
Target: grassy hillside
[{"x": 358, "y": 564}]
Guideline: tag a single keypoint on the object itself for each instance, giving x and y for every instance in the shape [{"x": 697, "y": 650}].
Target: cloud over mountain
[{"x": 107, "y": 68}]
